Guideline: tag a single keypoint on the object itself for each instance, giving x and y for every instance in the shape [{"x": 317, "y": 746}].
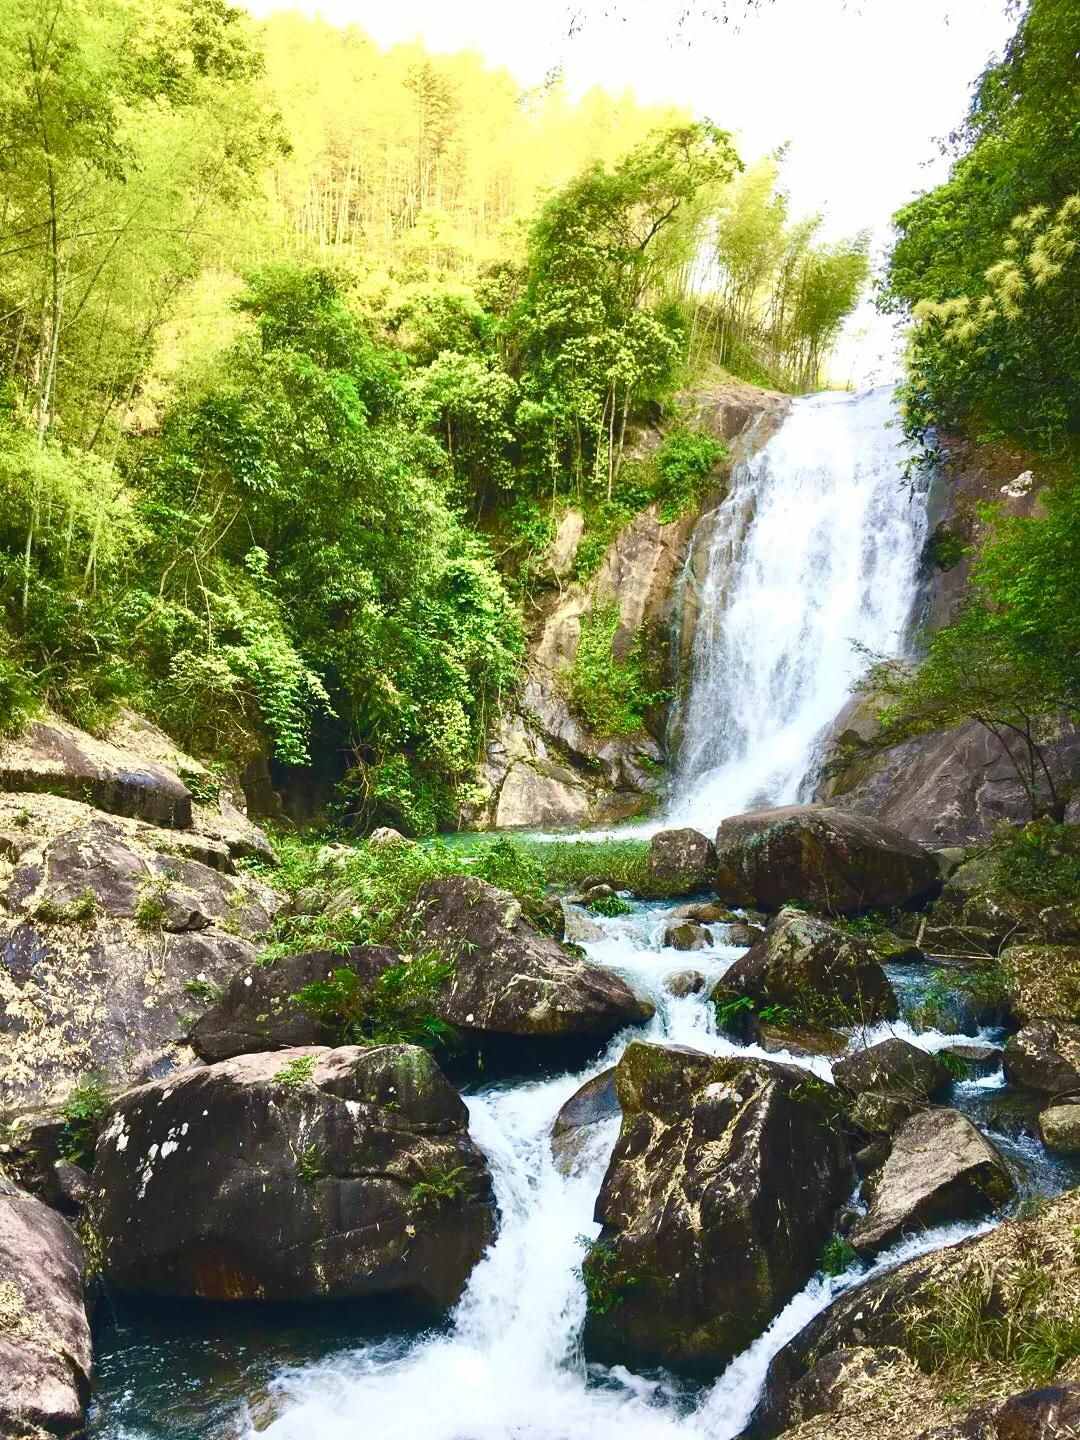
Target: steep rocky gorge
[{"x": 544, "y": 769}]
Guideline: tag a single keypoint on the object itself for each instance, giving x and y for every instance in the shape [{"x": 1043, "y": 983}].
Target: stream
[
  {"x": 508, "y": 1362},
  {"x": 816, "y": 545}
]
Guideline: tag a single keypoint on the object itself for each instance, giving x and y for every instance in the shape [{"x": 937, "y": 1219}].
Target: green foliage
[
  {"x": 983, "y": 987},
  {"x": 684, "y": 461},
  {"x": 442, "y": 1189},
  {"x": 944, "y": 549},
  {"x": 733, "y": 1010},
  {"x": 1014, "y": 1327},
  {"x": 204, "y": 990},
  {"x": 394, "y": 1009},
  {"x": 1035, "y": 866},
  {"x": 988, "y": 261},
  {"x": 150, "y": 907},
  {"x": 608, "y": 1281},
  {"x": 311, "y": 1164},
  {"x": 612, "y": 695},
  {"x": 82, "y": 908},
  {"x": 839, "y": 1255},
  {"x": 84, "y": 1113},
  {"x": 296, "y": 1073},
  {"x": 610, "y": 905},
  {"x": 956, "y": 1065}
]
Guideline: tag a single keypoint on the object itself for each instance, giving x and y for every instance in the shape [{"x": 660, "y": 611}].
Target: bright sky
[{"x": 860, "y": 89}]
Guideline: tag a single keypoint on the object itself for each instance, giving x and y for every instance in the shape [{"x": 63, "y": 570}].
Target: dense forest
[
  {"x": 303, "y": 347},
  {"x": 987, "y": 269}
]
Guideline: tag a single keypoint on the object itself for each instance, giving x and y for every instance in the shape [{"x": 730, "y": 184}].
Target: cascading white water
[
  {"x": 510, "y": 1366},
  {"x": 813, "y": 553}
]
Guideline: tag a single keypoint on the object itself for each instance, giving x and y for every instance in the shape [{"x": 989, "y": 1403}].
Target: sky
[{"x": 861, "y": 91}]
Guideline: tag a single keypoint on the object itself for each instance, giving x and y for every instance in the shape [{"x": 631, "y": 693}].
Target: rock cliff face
[
  {"x": 949, "y": 787},
  {"x": 544, "y": 768}
]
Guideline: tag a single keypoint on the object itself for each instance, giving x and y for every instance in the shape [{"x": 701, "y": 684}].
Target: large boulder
[
  {"x": 300, "y": 1175},
  {"x": 593, "y": 1104},
  {"x": 917, "y": 1306},
  {"x": 1045, "y": 1056},
  {"x": 681, "y": 862},
  {"x": 508, "y": 979},
  {"x": 817, "y": 971},
  {"x": 891, "y": 1065},
  {"x": 257, "y": 1011},
  {"x": 940, "y": 1169},
  {"x": 104, "y": 944},
  {"x": 1043, "y": 981},
  {"x": 826, "y": 858},
  {"x": 720, "y": 1194},
  {"x": 857, "y": 1394},
  {"x": 44, "y": 1332},
  {"x": 54, "y": 757},
  {"x": 1059, "y": 1126}
]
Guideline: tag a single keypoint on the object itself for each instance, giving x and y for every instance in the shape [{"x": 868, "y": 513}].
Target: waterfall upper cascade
[{"x": 813, "y": 554}]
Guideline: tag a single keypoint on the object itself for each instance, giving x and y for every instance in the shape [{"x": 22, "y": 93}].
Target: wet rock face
[
  {"x": 681, "y": 862},
  {"x": 892, "y": 1065},
  {"x": 718, "y": 1199},
  {"x": 1045, "y": 1056},
  {"x": 44, "y": 1333},
  {"x": 940, "y": 1169},
  {"x": 257, "y": 1012},
  {"x": 814, "y": 969},
  {"x": 301, "y": 1175},
  {"x": 594, "y": 1104},
  {"x": 687, "y": 936},
  {"x": 508, "y": 978},
  {"x": 826, "y": 858}
]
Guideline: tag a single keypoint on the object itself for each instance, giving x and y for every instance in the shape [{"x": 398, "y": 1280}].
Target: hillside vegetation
[{"x": 295, "y": 377}]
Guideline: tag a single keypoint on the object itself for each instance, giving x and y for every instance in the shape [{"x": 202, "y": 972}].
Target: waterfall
[{"x": 814, "y": 553}]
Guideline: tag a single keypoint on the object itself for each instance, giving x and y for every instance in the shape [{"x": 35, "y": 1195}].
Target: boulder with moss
[
  {"x": 258, "y": 1009},
  {"x": 681, "y": 862},
  {"x": 307, "y": 1174},
  {"x": 508, "y": 979},
  {"x": 940, "y": 1169},
  {"x": 107, "y": 945},
  {"x": 816, "y": 971},
  {"x": 44, "y": 1331},
  {"x": 826, "y": 858},
  {"x": 892, "y": 1065},
  {"x": 1045, "y": 1056},
  {"x": 720, "y": 1194},
  {"x": 1043, "y": 981}
]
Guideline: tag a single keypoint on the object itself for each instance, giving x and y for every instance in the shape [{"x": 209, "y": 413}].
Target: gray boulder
[
  {"x": 940, "y": 1169},
  {"x": 826, "y": 858},
  {"x": 256, "y": 1011},
  {"x": 720, "y": 1194},
  {"x": 681, "y": 862},
  {"x": 508, "y": 978},
  {"x": 301, "y": 1175},
  {"x": 893, "y": 1065},
  {"x": 56, "y": 758},
  {"x": 44, "y": 1332},
  {"x": 819, "y": 972},
  {"x": 1045, "y": 1056},
  {"x": 687, "y": 936}
]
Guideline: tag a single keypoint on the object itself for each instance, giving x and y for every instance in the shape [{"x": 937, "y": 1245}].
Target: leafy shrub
[
  {"x": 839, "y": 1255},
  {"x": 683, "y": 463},
  {"x": 296, "y": 1073},
  {"x": 395, "y": 1009},
  {"x": 612, "y": 696},
  {"x": 84, "y": 1113},
  {"x": 441, "y": 1188},
  {"x": 610, "y": 905}
]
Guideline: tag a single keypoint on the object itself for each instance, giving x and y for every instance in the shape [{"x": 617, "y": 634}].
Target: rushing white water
[
  {"x": 813, "y": 554},
  {"x": 510, "y": 1365}
]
